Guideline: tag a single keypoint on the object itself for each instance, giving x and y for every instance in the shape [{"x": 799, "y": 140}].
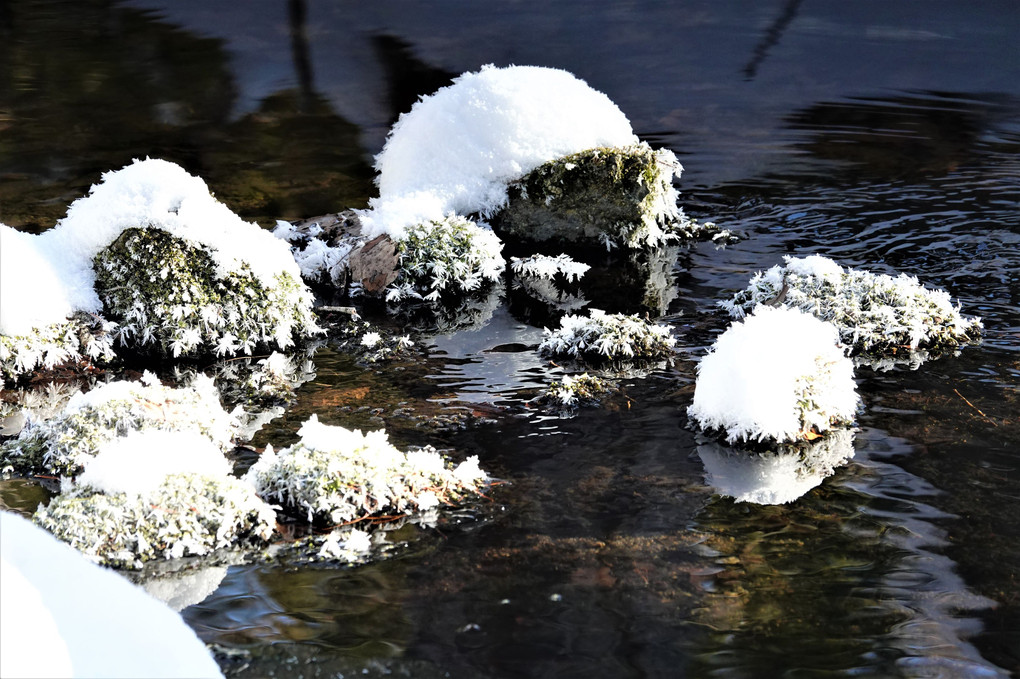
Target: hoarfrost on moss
[
  {"x": 83, "y": 337},
  {"x": 603, "y": 336},
  {"x": 335, "y": 475},
  {"x": 779, "y": 375},
  {"x": 617, "y": 197},
  {"x": 574, "y": 390},
  {"x": 62, "y": 445},
  {"x": 874, "y": 313},
  {"x": 186, "y": 515},
  {"x": 449, "y": 256},
  {"x": 169, "y": 297}
]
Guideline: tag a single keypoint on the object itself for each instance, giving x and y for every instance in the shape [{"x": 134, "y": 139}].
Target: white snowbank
[
  {"x": 456, "y": 150},
  {"x": 139, "y": 462},
  {"x": 777, "y": 375},
  {"x": 61, "y": 616},
  {"x": 152, "y": 192},
  {"x": 774, "y": 477}
]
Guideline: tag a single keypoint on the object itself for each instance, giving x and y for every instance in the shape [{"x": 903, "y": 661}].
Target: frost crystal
[
  {"x": 546, "y": 267},
  {"x": 779, "y": 375},
  {"x": 874, "y": 313},
  {"x": 605, "y": 336},
  {"x": 62, "y": 445},
  {"x": 335, "y": 475}
]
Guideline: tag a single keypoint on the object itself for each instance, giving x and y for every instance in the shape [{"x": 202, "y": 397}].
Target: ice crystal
[
  {"x": 62, "y": 445},
  {"x": 603, "y": 336},
  {"x": 335, "y": 475},
  {"x": 874, "y": 313},
  {"x": 779, "y": 375},
  {"x": 546, "y": 267}
]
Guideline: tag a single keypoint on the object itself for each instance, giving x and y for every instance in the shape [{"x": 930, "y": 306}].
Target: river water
[{"x": 884, "y": 135}]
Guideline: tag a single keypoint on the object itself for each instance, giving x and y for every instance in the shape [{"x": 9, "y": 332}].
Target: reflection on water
[
  {"x": 778, "y": 476},
  {"x": 807, "y": 127}
]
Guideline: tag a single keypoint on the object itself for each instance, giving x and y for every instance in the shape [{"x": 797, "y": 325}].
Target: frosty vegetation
[
  {"x": 602, "y": 337},
  {"x": 187, "y": 514},
  {"x": 83, "y": 337},
  {"x": 445, "y": 256},
  {"x": 577, "y": 390},
  {"x": 336, "y": 476},
  {"x": 61, "y": 446},
  {"x": 874, "y": 313},
  {"x": 779, "y": 375},
  {"x": 548, "y": 268}
]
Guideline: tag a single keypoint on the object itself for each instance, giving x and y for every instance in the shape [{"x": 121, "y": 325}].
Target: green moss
[
  {"x": 611, "y": 196},
  {"x": 169, "y": 299}
]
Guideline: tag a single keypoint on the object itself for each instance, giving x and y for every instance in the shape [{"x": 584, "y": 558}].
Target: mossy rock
[
  {"x": 602, "y": 196},
  {"x": 169, "y": 299}
]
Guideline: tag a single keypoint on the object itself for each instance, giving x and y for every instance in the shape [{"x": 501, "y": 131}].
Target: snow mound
[
  {"x": 63, "y": 616},
  {"x": 456, "y": 150},
  {"x": 779, "y": 375}
]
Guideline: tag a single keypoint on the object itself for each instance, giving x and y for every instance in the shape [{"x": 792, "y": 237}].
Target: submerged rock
[{"x": 603, "y": 196}]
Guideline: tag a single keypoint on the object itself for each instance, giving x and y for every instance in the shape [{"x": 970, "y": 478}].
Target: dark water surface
[{"x": 885, "y": 135}]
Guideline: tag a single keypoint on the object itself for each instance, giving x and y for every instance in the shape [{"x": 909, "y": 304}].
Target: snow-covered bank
[{"x": 62, "y": 616}]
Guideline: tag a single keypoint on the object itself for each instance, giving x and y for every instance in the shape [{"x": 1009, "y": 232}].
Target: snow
[
  {"x": 149, "y": 192},
  {"x": 62, "y": 616},
  {"x": 456, "y": 150},
  {"x": 139, "y": 462},
  {"x": 759, "y": 374}
]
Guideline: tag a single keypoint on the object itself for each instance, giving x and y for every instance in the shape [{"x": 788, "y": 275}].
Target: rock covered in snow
[
  {"x": 874, "y": 313},
  {"x": 456, "y": 150},
  {"x": 616, "y": 197},
  {"x": 601, "y": 337},
  {"x": 334, "y": 475},
  {"x": 62, "y": 616},
  {"x": 176, "y": 268},
  {"x": 779, "y": 375},
  {"x": 62, "y": 445}
]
